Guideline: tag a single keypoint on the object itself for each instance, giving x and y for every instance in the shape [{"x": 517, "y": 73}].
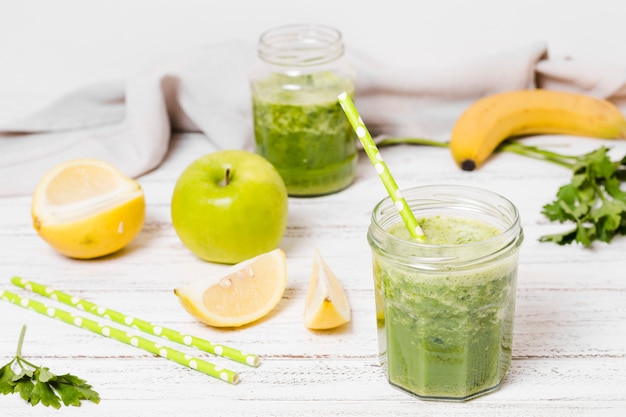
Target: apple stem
[{"x": 226, "y": 180}]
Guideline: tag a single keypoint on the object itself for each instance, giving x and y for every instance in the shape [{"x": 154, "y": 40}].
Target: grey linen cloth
[{"x": 129, "y": 123}]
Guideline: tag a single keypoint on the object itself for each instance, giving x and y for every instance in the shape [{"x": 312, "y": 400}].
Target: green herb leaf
[
  {"x": 73, "y": 389},
  {"x": 45, "y": 375},
  {"x": 25, "y": 388},
  {"x": 593, "y": 200},
  {"x": 37, "y": 385},
  {"x": 7, "y": 384},
  {"x": 612, "y": 186},
  {"x": 23, "y": 373},
  {"x": 42, "y": 392}
]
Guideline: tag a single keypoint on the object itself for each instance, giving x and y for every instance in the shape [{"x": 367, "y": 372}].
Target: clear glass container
[
  {"x": 445, "y": 309},
  {"x": 298, "y": 124}
]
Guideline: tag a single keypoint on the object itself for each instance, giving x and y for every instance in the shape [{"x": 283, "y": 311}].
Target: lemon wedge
[
  {"x": 326, "y": 304},
  {"x": 86, "y": 208},
  {"x": 245, "y": 293}
]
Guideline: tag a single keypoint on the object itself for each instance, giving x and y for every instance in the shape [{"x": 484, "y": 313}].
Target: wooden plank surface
[{"x": 569, "y": 347}]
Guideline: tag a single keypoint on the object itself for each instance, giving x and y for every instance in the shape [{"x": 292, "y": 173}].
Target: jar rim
[
  {"x": 463, "y": 199},
  {"x": 301, "y": 44}
]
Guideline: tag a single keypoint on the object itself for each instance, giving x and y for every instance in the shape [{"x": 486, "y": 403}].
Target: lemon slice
[
  {"x": 326, "y": 304},
  {"x": 245, "y": 293},
  {"x": 85, "y": 208}
]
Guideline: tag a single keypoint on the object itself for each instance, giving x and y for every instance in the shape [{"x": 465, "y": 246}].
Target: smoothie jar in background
[
  {"x": 298, "y": 124},
  {"x": 445, "y": 305}
]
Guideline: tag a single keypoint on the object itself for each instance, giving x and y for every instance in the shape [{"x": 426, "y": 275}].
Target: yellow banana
[{"x": 492, "y": 119}]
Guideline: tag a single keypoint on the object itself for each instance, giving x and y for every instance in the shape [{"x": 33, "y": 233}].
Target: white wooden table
[{"x": 569, "y": 355}]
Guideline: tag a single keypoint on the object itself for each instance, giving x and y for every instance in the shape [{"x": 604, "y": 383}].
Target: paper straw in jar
[
  {"x": 134, "y": 322},
  {"x": 379, "y": 164},
  {"x": 124, "y": 337}
]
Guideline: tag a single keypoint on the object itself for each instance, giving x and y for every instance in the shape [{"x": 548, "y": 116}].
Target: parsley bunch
[
  {"x": 37, "y": 385},
  {"x": 592, "y": 201}
]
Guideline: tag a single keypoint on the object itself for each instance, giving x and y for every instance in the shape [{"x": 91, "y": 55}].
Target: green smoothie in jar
[
  {"x": 299, "y": 125},
  {"x": 304, "y": 132},
  {"x": 445, "y": 305}
]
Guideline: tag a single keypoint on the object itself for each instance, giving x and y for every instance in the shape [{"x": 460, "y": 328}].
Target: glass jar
[
  {"x": 298, "y": 124},
  {"x": 445, "y": 305}
]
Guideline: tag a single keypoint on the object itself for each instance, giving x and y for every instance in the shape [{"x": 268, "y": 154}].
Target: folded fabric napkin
[{"x": 129, "y": 122}]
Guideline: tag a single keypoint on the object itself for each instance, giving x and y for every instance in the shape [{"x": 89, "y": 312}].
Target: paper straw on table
[
  {"x": 379, "y": 164},
  {"x": 121, "y": 318},
  {"x": 124, "y": 337}
]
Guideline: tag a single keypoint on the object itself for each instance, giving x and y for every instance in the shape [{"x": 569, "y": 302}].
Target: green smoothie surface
[{"x": 448, "y": 230}]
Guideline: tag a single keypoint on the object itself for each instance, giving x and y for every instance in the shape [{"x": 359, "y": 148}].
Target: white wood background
[{"x": 570, "y": 331}]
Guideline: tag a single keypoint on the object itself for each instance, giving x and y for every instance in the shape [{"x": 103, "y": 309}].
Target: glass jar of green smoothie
[
  {"x": 445, "y": 304},
  {"x": 298, "y": 124}
]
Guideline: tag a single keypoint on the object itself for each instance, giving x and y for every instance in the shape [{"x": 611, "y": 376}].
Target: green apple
[{"x": 229, "y": 206}]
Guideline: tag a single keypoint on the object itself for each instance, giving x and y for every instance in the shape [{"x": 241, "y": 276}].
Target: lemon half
[
  {"x": 246, "y": 292},
  {"x": 86, "y": 208}
]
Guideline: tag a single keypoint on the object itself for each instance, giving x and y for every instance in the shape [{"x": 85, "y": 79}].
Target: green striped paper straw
[
  {"x": 144, "y": 326},
  {"x": 379, "y": 164},
  {"x": 124, "y": 337}
]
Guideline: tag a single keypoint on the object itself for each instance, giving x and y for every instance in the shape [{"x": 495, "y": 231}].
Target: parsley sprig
[
  {"x": 37, "y": 385},
  {"x": 592, "y": 201}
]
